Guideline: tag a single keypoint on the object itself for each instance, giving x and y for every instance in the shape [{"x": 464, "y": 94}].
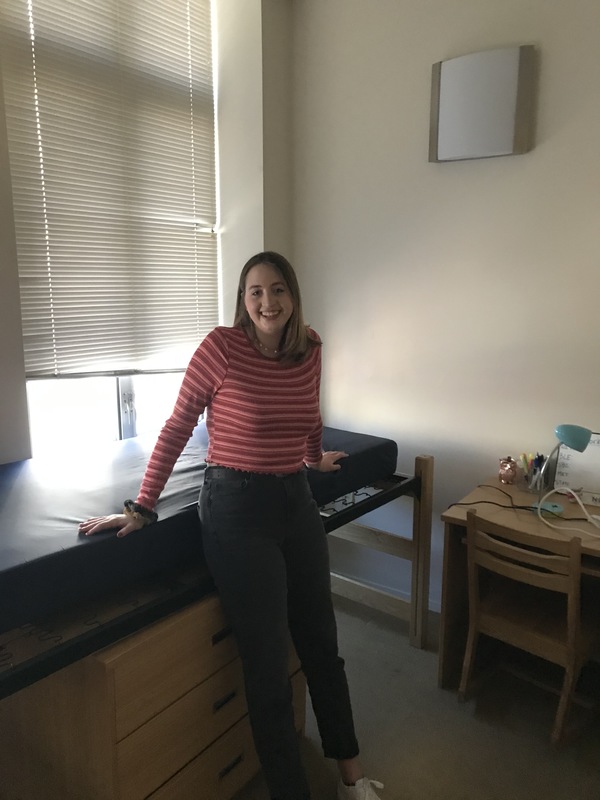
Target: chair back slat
[
  {"x": 558, "y": 563},
  {"x": 553, "y": 581}
]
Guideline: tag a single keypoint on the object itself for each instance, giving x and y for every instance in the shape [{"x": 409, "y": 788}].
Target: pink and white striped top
[{"x": 262, "y": 414}]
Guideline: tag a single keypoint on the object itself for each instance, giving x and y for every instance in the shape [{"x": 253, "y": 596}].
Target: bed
[{"x": 63, "y": 595}]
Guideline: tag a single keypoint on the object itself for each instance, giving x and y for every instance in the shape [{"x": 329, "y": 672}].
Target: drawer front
[
  {"x": 166, "y": 743},
  {"x": 219, "y": 772},
  {"x": 155, "y": 667},
  {"x": 230, "y": 763}
]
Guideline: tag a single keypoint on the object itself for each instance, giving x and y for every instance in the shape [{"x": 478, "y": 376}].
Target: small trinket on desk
[{"x": 508, "y": 470}]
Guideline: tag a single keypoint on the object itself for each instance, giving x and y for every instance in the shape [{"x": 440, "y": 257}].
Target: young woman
[{"x": 262, "y": 533}]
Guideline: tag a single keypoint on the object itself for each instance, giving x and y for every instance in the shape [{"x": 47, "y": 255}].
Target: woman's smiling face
[{"x": 268, "y": 302}]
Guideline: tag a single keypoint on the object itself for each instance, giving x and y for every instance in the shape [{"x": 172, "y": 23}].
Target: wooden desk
[{"x": 455, "y": 605}]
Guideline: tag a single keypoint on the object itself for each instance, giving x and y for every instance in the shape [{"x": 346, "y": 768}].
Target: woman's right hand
[{"x": 122, "y": 523}]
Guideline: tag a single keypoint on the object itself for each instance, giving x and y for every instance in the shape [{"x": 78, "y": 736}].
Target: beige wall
[
  {"x": 277, "y": 130},
  {"x": 254, "y": 102},
  {"x": 240, "y": 133},
  {"x": 458, "y": 301},
  {"x": 14, "y": 426}
]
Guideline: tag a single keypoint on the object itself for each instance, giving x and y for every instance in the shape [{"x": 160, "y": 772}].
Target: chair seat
[{"x": 533, "y": 620}]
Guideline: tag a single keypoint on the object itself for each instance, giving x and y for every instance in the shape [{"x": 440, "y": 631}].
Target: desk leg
[
  {"x": 454, "y": 618},
  {"x": 421, "y": 556}
]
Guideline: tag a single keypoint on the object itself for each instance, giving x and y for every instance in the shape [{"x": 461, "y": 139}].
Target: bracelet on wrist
[{"x": 138, "y": 512}]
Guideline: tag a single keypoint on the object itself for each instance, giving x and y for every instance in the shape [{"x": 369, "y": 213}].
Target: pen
[{"x": 523, "y": 459}]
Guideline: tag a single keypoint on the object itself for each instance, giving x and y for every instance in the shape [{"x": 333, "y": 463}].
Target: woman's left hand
[{"x": 328, "y": 461}]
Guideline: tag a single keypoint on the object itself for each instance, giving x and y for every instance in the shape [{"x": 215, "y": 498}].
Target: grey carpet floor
[{"x": 424, "y": 745}]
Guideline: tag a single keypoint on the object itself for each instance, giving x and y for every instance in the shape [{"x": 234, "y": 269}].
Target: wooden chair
[{"x": 524, "y": 590}]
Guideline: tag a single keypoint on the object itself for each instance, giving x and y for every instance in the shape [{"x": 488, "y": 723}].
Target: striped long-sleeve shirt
[{"x": 262, "y": 414}]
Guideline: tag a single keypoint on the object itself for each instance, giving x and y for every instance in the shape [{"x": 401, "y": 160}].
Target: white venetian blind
[{"x": 111, "y": 138}]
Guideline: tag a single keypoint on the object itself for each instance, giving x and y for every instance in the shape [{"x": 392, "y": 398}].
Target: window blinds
[{"x": 110, "y": 121}]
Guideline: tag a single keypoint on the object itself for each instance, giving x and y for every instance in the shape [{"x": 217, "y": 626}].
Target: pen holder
[
  {"x": 537, "y": 481},
  {"x": 536, "y": 474},
  {"x": 531, "y": 483}
]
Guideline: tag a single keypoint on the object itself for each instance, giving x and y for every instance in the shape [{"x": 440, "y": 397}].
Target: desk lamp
[{"x": 573, "y": 436}]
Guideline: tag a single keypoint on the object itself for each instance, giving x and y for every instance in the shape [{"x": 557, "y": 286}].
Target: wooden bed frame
[{"x": 339, "y": 522}]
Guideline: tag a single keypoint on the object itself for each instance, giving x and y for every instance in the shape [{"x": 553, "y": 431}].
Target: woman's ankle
[{"x": 350, "y": 770}]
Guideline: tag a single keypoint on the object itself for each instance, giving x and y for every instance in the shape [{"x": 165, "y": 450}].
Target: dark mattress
[{"x": 47, "y": 567}]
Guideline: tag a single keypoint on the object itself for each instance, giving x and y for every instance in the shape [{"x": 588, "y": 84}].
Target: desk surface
[{"x": 491, "y": 492}]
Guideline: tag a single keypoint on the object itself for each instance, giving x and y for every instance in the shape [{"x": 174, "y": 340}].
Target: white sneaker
[{"x": 362, "y": 790}]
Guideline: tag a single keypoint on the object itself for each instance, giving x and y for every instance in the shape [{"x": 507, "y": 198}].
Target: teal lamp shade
[{"x": 574, "y": 436}]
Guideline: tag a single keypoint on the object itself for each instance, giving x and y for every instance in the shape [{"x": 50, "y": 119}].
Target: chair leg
[
  {"x": 468, "y": 663},
  {"x": 564, "y": 704}
]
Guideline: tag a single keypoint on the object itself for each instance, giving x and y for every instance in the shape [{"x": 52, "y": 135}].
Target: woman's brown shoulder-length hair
[{"x": 297, "y": 338}]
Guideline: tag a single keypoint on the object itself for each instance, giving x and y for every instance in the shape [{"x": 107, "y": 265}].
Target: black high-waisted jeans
[{"x": 266, "y": 548}]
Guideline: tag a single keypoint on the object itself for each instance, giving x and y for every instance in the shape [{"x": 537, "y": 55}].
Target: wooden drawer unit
[
  {"x": 228, "y": 764},
  {"x": 151, "y": 716},
  {"x": 151, "y": 669},
  {"x": 166, "y": 743},
  {"x": 221, "y": 771}
]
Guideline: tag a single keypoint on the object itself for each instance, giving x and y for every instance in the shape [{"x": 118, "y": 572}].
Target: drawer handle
[
  {"x": 231, "y": 766},
  {"x": 218, "y": 705},
  {"x": 220, "y": 635}
]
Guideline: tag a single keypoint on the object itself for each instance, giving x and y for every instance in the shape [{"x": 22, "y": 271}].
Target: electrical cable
[{"x": 592, "y": 519}]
